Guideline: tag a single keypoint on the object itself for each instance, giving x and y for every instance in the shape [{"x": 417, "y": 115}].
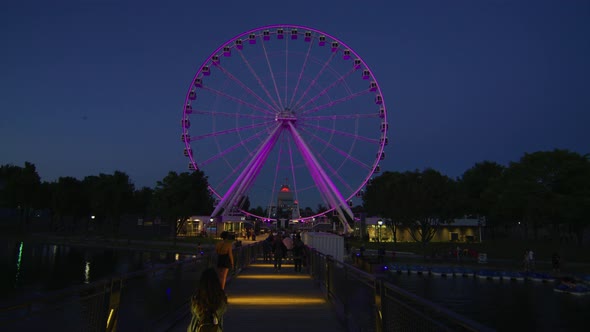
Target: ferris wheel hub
[{"x": 286, "y": 116}]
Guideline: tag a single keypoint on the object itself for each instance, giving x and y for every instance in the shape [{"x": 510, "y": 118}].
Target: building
[{"x": 460, "y": 230}]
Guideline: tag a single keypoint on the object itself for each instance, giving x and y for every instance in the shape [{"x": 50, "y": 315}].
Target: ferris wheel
[{"x": 285, "y": 106}]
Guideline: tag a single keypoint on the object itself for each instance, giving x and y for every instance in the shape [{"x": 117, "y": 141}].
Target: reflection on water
[
  {"x": 502, "y": 305},
  {"x": 27, "y": 268},
  {"x": 18, "y": 262},
  {"x": 87, "y": 273}
]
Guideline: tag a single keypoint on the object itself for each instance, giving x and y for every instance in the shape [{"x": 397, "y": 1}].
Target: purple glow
[
  {"x": 335, "y": 102},
  {"x": 238, "y": 100},
  {"x": 245, "y": 87},
  {"x": 260, "y": 83},
  {"x": 248, "y": 175},
  {"x": 313, "y": 82},
  {"x": 323, "y": 92}
]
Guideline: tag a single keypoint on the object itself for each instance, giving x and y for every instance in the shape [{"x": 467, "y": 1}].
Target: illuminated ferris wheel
[{"x": 285, "y": 103}]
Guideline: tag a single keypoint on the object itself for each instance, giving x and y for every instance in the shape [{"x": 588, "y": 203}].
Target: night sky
[{"x": 94, "y": 86}]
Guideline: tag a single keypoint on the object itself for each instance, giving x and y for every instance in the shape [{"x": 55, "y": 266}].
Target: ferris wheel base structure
[{"x": 285, "y": 101}]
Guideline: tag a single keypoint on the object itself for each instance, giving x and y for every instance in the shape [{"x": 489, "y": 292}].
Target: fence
[
  {"x": 366, "y": 303},
  {"x": 151, "y": 299}
]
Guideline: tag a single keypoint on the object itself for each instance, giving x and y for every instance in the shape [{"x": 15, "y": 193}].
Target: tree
[
  {"x": 477, "y": 194},
  {"x": 179, "y": 196},
  {"x": 548, "y": 188},
  {"x": 19, "y": 189},
  {"x": 110, "y": 197},
  {"x": 69, "y": 203},
  {"x": 417, "y": 200}
]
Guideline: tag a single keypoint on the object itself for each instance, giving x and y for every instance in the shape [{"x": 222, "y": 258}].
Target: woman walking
[
  {"x": 208, "y": 304},
  {"x": 225, "y": 257}
]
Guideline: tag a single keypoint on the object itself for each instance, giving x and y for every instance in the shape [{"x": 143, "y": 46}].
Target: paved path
[{"x": 261, "y": 300}]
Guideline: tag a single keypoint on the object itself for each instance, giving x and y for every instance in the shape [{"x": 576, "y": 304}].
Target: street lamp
[{"x": 379, "y": 224}]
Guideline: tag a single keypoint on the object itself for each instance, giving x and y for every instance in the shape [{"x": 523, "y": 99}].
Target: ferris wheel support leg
[
  {"x": 248, "y": 174},
  {"x": 335, "y": 197}
]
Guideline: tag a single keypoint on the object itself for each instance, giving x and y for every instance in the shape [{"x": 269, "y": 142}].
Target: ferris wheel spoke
[
  {"x": 272, "y": 76},
  {"x": 338, "y": 150},
  {"x": 312, "y": 84},
  {"x": 274, "y": 184},
  {"x": 293, "y": 171},
  {"x": 334, "y": 172},
  {"x": 328, "y": 88},
  {"x": 244, "y": 86},
  {"x": 344, "y": 133},
  {"x": 232, "y": 115},
  {"x": 286, "y": 69},
  {"x": 230, "y": 131},
  {"x": 250, "y": 172},
  {"x": 260, "y": 83},
  {"x": 340, "y": 117},
  {"x": 237, "y": 100},
  {"x": 300, "y": 76},
  {"x": 335, "y": 102},
  {"x": 332, "y": 193},
  {"x": 233, "y": 148}
]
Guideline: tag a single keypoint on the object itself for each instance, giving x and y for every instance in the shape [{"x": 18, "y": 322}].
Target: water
[
  {"x": 502, "y": 305},
  {"x": 32, "y": 269}
]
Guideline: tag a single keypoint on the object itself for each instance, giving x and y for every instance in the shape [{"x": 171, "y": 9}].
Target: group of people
[
  {"x": 279, "y": 246},
  {"x": 209, "y": 302}
]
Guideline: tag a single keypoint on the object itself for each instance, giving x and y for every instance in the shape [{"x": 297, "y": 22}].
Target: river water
[
  {"x": 502, "y": 305},
  {"x": 32, "y": 269}
]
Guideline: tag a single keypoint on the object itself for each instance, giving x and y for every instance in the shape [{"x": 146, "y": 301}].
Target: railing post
[
  {"x": 379, "y": 305},
  {"x": 113, "y": 309},
  {"x": 329, "y": 262}
]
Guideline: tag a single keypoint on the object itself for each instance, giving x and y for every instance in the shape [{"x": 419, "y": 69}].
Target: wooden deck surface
[{"x": 262, "y": 300}]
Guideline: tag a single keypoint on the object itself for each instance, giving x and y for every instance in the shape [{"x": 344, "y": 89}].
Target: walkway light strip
[
  {"x": 274, "y": 277},
  {"x": 273, "y": 300}
]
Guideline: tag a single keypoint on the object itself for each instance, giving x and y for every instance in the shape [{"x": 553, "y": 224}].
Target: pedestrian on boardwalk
[
  {"x": 288, "y": 242},
  {"x": 225, "y": 257},
  {"x": 556, "y": 262},
  {"x": 267, "y": 248},
  {"x": 380, "y": 254},
  {"x": 298, "y": 248},
  {"x": 531, "y": 258},
  {"x": 208, "y": 304},
  {"x": 280, "y": 251},
  {"x": 525, "y": 261}
]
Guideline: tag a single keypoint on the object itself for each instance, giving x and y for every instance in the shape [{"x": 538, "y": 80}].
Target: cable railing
[{"x": 367, "y": 303}]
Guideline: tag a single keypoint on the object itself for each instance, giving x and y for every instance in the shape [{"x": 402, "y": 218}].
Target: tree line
[
  {"x": 542, "y": 189},
  {"x": 546, "y": 189}
]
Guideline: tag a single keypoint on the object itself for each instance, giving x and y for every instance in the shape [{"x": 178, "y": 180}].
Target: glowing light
[
  {"x": 110, "y": 317},
  {"x": 273, "y": 300},
  {"x": 273, "y": 276},
  {"x": 87, "y": 273},
  {"x": 176, "y": 256},
  {"x": 269, "y": 265}
]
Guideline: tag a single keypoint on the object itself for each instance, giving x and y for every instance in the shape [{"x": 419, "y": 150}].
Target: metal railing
[
  {"x": 367, "y": 303},
  {"x": 151, "y": 299}
]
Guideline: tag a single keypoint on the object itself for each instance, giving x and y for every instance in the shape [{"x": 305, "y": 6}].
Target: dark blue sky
[{"x": 92, "y": 86}]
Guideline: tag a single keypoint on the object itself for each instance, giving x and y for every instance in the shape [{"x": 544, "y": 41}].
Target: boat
[{"x": 570, "y": 286}]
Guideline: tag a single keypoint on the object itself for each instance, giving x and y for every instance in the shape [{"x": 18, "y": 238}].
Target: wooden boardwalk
[{"x": 263, "y": 300}]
